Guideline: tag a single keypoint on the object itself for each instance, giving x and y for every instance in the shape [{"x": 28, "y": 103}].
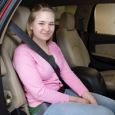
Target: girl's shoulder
[{"x": 22, "y": 48}]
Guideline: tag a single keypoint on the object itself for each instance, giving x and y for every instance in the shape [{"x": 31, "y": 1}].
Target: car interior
[
  {"x": 74, "y": 49},
  {"x": 93, "y": 61}
]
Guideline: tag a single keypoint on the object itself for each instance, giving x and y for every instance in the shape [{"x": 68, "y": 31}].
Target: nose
[{"x": 46, "y": 28}]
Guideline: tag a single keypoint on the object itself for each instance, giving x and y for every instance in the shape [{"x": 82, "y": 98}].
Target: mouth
[{"x": 46, "y": 34}]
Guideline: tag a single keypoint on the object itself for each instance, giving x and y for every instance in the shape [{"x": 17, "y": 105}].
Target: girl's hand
[
  {"x": 87, "y": 98},
  {"x": 87, "y": 95},
  {"x": 78, "y": 100}
]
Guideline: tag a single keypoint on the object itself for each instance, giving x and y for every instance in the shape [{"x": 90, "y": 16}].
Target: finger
[
  {"x": 87, "y": 101},
  {"x": 95, "y": 103}
]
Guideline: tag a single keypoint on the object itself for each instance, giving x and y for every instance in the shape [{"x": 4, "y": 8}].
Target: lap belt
[
  {"x": 45, "y": 105},
  {"x": 43, "y": 108},
  {"x": 24, "y": 37}
]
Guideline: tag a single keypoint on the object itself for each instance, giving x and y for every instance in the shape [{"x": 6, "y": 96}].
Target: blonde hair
[{"x": 36, "y": 9}]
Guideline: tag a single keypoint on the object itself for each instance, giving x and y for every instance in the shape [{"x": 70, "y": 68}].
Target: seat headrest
[
  {"x": 20, "y": 17},
  {"x": 67, "y": 21}
]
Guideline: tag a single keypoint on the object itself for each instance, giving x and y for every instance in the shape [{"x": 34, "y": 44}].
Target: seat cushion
[{"x": 109, "y": 77}]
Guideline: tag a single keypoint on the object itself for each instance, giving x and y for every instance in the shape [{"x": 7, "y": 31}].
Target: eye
[
  {"x": 51, "y": 24},
  {"x": 40, "y": 23}
]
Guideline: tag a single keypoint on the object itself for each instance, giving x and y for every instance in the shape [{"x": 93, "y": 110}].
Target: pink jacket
[{"x": 39, "y": 79}]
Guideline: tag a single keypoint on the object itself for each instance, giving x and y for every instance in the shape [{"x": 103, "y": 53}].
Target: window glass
[
  {"x": 105, "y": 19},
  {"x": 60, "y": 9}
]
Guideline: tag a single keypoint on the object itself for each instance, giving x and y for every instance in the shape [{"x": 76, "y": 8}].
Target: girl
[{"x": 41, "y": 83}]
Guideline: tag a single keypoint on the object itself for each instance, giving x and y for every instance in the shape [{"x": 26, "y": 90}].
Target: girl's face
[{"x": 43, "y": 26}]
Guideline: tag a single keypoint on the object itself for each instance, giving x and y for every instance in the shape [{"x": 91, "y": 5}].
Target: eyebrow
[{"x": 44, "y": 21}]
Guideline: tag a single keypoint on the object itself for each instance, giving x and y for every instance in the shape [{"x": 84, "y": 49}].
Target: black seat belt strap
[
  {"x": 43, "y": 108},
  {"x": 82, "y": 30},
  {"x": 22, "y": 35}
]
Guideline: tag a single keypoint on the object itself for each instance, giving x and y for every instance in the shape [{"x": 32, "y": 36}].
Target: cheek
[
  {"x": 52, "y": 29},
  {"x": 37, "y": 29}
]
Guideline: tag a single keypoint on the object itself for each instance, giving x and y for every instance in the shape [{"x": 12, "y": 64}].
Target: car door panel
[
  {"x": 101, "y": 49},
  {"x": 6, "y": 16},
  {"x": 2, "y": 4},
  {"x": 107, "y": 49}
]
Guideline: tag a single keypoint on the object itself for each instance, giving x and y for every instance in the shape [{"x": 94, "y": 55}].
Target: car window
[
  {"x": 60, "y": 9},
  {"x": 105, "y": 19}
]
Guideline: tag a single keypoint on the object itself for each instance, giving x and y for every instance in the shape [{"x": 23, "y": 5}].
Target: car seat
[
  {"x": 10, "y": 79},
  {"x": 74, "y": 49}
]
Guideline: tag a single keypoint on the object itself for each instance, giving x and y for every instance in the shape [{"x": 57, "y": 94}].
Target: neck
[{"x": 43, "y": 45}]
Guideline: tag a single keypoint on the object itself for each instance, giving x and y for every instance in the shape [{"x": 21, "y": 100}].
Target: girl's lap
[
  {"x": 71, "y": 108},
  {"x": 105, "y": 106}
]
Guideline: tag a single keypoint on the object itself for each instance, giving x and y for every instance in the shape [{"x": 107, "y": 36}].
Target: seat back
[
  {"x": 70, "y": 43},
  {"x": 10, "y": 78}
]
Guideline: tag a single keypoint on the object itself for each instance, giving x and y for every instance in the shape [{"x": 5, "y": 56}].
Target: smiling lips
[{"x": 46, "y": 34}]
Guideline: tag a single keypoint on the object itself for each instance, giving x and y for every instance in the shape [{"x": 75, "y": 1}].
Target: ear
[{"x": 30, "y": 26}]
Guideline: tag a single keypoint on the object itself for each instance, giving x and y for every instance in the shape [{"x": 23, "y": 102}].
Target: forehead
[{"x": 44, "y": 16}]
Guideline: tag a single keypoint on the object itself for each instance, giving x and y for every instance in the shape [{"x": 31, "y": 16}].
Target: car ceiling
[{"x": 31, "y": 3}]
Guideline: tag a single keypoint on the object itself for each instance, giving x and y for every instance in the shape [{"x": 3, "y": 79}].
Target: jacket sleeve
[
  {"x": 25, "y": 66},
  {"x": 69, "y": 77}
]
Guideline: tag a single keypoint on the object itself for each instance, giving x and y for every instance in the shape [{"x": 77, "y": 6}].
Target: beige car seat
[
  {"x": 74, "y": 49},
  {"x": 10, "y": 79}
]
